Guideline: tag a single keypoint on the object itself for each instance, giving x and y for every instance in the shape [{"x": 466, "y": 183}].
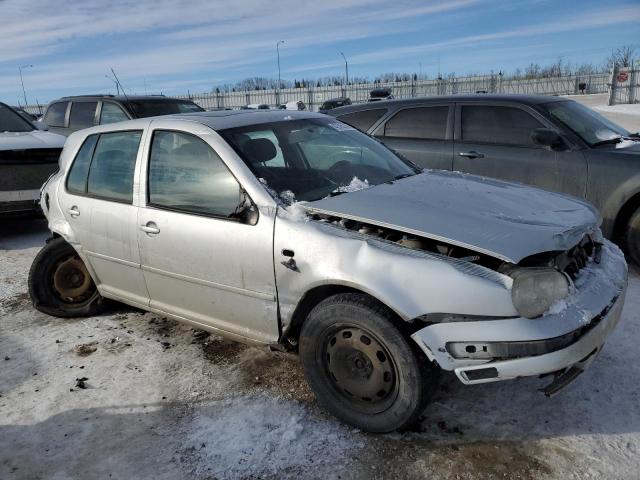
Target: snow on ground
[
  {"x": 164, "y": 401},
  {"x": 626, "y": 109}
]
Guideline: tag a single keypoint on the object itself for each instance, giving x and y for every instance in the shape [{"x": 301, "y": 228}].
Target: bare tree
[{"x": 621, "y": 56}]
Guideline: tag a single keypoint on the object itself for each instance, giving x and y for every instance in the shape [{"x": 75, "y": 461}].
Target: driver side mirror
[
  {"x": 547, "y": 137},
  {"x": 40, "y": 125}
]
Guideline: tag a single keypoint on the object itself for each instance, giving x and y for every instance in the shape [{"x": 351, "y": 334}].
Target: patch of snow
[
  {"x": 627, "y": 108},
  {"x": 248, "y": 437},
  {"x": 296, "y": 212},
  {"x": 626, "y": 143},
  {"x": 355, "y": 185},
  {"x": 271, "y": 191},
  {"x": 288, "y": 197}
]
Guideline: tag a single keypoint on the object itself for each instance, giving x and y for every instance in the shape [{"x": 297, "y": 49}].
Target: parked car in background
[
  {"x": 379, "y": 276},
  {"x": 30, "y": 117},
  {"x": 334, "y": 103},
  {"x": 28, "y": 157},
  {"x": 256, "y": 106},
  {"x": 69, "y": 114},
  {"x": 549, "y": 142},
  {"x": 382, "y": 93}
]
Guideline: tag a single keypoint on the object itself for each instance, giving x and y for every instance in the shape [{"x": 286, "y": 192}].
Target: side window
[
  {"x": 186, "y": 174},
  {"x": 496, "y": 124},
  {"x": 82, "y": 115},
  {"x": 113, "y": 164},
  {"x": 428, "y": 123},
  {"x": 55, "y": 114},
  {"x": 111, "y": 113},
  {"x": 363, "y": 120},
  {"x": 77, "y": 179}
]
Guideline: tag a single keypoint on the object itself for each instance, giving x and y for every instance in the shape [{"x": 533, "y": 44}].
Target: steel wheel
[
  {"x": 361, "y": 369},
  {"x": 71, "y": 280}
]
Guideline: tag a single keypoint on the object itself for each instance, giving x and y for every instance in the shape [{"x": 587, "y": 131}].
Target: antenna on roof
[{"x": 119, "y": 83}]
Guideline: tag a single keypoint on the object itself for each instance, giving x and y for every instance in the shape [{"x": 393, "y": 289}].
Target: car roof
[
  {"x": 223, "y": 119},
  {"x": 474, "y": 97},
  {"x": 118, "y": 98}
]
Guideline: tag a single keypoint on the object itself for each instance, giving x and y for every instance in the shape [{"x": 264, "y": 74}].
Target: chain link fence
[{"x": 314, "y": 96}]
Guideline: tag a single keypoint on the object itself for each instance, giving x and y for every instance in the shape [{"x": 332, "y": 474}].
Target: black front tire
[
  {"x": 369, "y": 354},
  {"x": 79, "y": 298},
  {"x": 632, "y": 238}
]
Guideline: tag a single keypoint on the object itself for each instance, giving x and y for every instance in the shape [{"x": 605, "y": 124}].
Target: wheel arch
[
  {"x": 318, "y": 293},
  {"x": 624, "y": 214}
]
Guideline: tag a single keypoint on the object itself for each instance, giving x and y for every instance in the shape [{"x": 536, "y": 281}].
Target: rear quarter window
[
  {"x": 363, "y": 120},
  {"x": 56, "y": 113}
]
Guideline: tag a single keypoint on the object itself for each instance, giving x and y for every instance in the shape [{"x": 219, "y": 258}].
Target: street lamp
[
  {"x": 346, "y": 69},
  {"x": 24, "y": 93},
  {"x": 278, "y": 51}
]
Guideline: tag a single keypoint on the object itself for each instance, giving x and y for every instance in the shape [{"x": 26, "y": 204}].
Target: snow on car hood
[
  {"x": 34, "y": 139},
  {"x": 505, "y": 220}
]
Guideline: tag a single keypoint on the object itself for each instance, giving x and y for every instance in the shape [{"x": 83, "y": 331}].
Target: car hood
[
  {"x": 505, "y": 220},
  {"x": 26, "y": 140}
]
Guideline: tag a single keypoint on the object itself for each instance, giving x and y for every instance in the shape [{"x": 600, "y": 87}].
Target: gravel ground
[{"x": 131, "y": 395}]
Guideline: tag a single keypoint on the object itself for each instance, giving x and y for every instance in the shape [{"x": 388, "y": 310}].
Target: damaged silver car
[{"x": 293, "y": 230}]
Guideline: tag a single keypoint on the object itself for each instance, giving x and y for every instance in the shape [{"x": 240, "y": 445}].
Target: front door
[
  {"x": 494, "y": 140},
  {"x": 423, "y": 135},
  {"x": 98, "y": 202},
  {"x": 199, "y": 261}
]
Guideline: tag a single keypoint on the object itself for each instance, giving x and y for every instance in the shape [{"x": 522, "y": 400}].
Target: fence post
[
  {"x": 633, "y": 83},
  {"x": 612, "y": 86}
]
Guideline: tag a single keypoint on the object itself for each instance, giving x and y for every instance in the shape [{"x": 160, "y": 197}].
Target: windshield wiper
[
  {"x": 609, "y": 141},
  {"x": 404, "y": 175}
]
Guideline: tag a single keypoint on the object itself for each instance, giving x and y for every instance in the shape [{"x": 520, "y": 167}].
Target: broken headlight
[{"x": 536, "y": 289}]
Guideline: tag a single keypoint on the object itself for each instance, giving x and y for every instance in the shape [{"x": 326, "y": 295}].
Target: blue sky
[{"x": 172, "y": 46}]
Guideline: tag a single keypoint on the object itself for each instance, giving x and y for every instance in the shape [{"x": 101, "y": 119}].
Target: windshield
[
  {"x": 587, "y": 124},
  {"x": 312, "y": 158},
  {"x": 10, "y": 121},
  {"x": 161, "y": 106}
]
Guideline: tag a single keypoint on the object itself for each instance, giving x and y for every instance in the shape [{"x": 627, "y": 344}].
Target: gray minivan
[
  {"x": 69, "y": 114},
  {"x": 550, "y": 142}
]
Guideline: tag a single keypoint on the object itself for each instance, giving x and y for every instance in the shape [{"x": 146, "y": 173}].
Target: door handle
[
  {"x": 74, "y": 212},
  {"x": 471, "y": 154},
  {"x": 150, "y": 228}
]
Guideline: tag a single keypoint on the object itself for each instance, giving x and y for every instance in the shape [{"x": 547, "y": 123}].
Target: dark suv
[
  {"x": 551, "y": 142},
  {"x": 69, "y": 114}
]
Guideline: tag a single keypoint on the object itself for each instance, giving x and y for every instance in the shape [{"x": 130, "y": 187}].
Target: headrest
[{"x": 259, "y": 150}]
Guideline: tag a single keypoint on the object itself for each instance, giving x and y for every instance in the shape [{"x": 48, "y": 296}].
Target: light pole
[
  {"x": 278, "y": 51},
  {"x": 24, "y": 93},
  {"x": 346, "y": 70}
]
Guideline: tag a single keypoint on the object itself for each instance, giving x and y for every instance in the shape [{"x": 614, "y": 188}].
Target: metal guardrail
[{"x": 314, "y": 96}]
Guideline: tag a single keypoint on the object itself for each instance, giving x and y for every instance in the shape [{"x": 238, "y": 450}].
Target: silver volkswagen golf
[{"x": 293, "y": 230}]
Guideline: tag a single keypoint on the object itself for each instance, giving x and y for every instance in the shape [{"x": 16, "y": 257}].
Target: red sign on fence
[{"x": 622, "y": 77}]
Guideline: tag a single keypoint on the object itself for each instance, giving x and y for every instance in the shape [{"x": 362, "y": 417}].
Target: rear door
[
  {"x": 98, "y": 202},
  {"x": 494, "y": 140},
  {"x": 422, "y": 134}
]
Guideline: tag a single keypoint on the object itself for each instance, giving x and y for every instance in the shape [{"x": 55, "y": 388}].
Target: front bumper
[{"x": 593, "y": 311}]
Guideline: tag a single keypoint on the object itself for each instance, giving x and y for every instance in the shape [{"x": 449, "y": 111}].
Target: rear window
[
  {"x": 363, "y": 120},
  {"x": 163, "y": 106},
  {"x": 82, "y": 115},
  {"x": 428, "y": 123},
  {"x": 56, "y": 114}
]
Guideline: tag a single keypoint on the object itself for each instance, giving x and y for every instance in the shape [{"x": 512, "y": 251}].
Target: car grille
[{"x": 30, "y": 155}]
